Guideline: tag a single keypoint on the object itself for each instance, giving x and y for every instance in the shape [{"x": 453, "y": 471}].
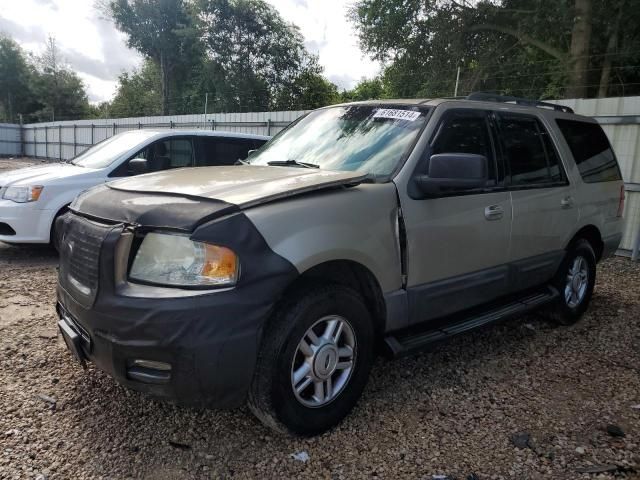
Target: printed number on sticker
[{"x": 397, "y": 114}]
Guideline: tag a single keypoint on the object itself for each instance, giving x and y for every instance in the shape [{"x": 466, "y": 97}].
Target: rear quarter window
[{"x": 591, "y": 151}]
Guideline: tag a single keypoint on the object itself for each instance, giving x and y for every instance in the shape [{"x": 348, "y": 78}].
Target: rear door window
[
  {"x": 225, "y": 151},
  {"x": 591, "y": 150},
  {"x": 529, "y": 152}
]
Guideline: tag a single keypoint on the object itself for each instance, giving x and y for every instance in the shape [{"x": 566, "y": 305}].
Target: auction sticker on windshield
[{"x": 395, "y": 114}]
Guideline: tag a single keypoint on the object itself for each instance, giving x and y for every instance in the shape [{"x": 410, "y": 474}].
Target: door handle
[
  {"x": 493, "y": 212},
  {"x": 567, "y": 202}
]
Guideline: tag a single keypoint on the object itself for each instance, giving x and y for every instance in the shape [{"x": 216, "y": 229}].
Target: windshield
[
  {"x": 370, "y": 139},
  {"x": 106, "y": 152}
]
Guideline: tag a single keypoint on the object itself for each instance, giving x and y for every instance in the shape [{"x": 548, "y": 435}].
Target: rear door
[
  {"x": 544, "y": 207},
  {"x": 458, "y": 244}
]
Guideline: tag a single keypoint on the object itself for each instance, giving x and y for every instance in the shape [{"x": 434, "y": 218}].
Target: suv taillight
[{"x": 621, "y": 202}]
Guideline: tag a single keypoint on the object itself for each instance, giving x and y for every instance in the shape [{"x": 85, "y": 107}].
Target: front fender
[{"x": 356, "y": 223}]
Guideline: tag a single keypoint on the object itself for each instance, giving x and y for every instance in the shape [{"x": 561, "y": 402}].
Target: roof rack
[{"x": 494, "y": 97}]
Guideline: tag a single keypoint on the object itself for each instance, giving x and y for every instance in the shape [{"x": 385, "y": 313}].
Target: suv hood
[
  {"x": 41, "y": 174},
  {"x": 241, "y": 185}
]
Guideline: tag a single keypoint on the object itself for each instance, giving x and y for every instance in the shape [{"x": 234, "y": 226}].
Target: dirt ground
[{"x": 457, "y": 410}]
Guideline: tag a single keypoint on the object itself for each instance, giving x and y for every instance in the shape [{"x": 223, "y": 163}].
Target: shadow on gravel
[{"x": 26, "y": 254}]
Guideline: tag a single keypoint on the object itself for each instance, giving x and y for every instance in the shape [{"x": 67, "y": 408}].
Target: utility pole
[
  {"x": 206, "y": 101},
  {"x": 455, "y": 92}
]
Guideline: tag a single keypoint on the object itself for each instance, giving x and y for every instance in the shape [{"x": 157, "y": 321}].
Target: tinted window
[
  {"x": 591, "y": 151},
  {"x": 465, "y": 132},
  {"x": 179, "y": 152},
  {"x": 529, "y": 152},
  {"x": 225, "y": 151}
]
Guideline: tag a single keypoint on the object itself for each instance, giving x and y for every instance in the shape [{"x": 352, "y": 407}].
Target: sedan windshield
[
  {"x": 371, "y": 139},
  {"x": 106, "y": 152}
]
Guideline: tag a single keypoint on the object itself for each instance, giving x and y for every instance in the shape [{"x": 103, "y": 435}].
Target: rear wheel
[
  {"x": 575, "y": 280},
  {"x": 314, "y": 361}
]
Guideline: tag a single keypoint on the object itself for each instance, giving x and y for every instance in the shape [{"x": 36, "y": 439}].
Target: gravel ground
[{"x": 456, "y": 410}]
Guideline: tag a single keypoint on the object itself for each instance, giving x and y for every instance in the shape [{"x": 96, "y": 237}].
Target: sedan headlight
[
  {"x": 175, "y": 260},
  {"x": 23, "y": 194}
]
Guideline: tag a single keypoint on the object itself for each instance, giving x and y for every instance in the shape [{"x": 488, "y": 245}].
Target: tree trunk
[
  {"x": 164, "y": 87},
  {"x": 612, "y": 46},
  {"x": 579, "y": 51}
]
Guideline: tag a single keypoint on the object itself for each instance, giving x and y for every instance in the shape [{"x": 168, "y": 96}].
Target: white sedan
[{"x": 32, "y": 198}]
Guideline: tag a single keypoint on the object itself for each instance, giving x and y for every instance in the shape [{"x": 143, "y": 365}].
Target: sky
[{"x": 93, "y": 47}]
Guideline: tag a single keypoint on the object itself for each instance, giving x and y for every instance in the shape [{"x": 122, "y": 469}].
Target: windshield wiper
[{"x": 291, "y": 163}]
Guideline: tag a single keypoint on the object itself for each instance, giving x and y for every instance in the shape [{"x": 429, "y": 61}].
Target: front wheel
[
  {"x": 314, "y": 361},
  {"x": 575, "y": 280}
]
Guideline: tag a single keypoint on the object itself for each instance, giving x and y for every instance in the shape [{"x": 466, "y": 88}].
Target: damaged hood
[
  {"x": 242, "y": 185},
  {"x": 185, "y": 198}
]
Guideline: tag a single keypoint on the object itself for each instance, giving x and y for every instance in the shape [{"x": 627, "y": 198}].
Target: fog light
[
  {"x": 152, "y": 364},
  {"x": 148, "y": 371}
]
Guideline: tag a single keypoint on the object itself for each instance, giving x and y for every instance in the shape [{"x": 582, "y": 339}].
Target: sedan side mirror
[
  {"x": 138, "y": 166},
  {"x": 453, "y": 172}
]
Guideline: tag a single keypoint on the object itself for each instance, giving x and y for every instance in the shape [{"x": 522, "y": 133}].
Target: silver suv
[{"x": 363, "y": 227}]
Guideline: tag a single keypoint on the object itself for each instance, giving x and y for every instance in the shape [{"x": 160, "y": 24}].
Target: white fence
[
  {"x": 620, "y": 118},
  {"x": 10, "y": 142},
  {"x": 65, "y": 140}
]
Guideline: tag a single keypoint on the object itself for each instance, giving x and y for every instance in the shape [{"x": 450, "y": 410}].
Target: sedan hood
[
  {"x": 242, "y": 185},
  {"x": 39, "y": 175}
]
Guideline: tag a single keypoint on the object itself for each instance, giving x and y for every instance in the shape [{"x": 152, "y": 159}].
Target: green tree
[
  {"x": 539, "y": 48},
  {"x": 163, "y": 31},
  {"x": 255, "y": 54},
  {"x": 366, "y": 89},
  {"x": 16, "y": 96},
  {"x": 59, "y": 89},
  {"x": 139, "y": 93},
  {"x": 308, "y": 91}
]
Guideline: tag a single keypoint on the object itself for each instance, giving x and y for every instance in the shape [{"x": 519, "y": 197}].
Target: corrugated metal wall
[
  {"x": 65, "y": 140},
  {"x": 620, "y": 118},
  {"x": 10, "y": 144}
]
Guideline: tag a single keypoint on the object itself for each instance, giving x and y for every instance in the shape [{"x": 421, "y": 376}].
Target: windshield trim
[{"x": 374, "y": 178}]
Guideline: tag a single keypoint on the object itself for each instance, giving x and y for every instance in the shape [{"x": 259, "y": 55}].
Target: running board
[{"x": 410, "y": 342}]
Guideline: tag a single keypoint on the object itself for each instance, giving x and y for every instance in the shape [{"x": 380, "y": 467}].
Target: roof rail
[{"x": 494, "y": 97}]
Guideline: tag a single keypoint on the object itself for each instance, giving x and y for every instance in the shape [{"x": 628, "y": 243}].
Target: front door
[{"x": 457, "y": 245}]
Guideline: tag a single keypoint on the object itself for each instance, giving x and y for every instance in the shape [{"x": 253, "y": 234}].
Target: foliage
[
  {"x": 15, "y": 81},
  {"x": 530, "y": 48},
  {"x": 139, "y": 93},
  {"x": 161, "y": 30},
  {"x": 41, "y": 88}
]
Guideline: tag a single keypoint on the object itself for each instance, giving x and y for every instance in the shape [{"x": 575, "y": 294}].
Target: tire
[
  {"x": 575, "y": 293},
  {"x": 311, "y": 308},
  {"x": 54, "y": 241}
]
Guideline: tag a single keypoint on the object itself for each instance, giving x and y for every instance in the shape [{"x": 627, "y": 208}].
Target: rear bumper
[
  {"x": 610, "y": 245},
  {"x": 30, "y": 224},
  {"x": 210, "y": 346}
]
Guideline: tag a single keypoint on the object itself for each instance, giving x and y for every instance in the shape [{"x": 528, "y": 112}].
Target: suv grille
[{"x": 80, "y": 255}]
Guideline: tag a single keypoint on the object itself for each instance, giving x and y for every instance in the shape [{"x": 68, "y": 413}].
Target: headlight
[
  {"x": 175, "y": 260},
  {"x": 23, "y": 194}
]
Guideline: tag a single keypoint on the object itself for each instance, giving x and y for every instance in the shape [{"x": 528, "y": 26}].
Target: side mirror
[
  {"x": 453, "y": 172},
  {"x": 138, "y": 166}
]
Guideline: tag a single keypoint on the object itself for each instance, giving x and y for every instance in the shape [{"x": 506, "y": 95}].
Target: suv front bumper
[{"x": 204, "y": 350}]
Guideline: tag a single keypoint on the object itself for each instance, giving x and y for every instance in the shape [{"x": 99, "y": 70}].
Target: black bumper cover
[{"x": 211, "y": 340}]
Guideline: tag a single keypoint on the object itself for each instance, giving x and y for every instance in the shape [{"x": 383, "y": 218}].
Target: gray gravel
[{"x": 557, "y": 392}]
